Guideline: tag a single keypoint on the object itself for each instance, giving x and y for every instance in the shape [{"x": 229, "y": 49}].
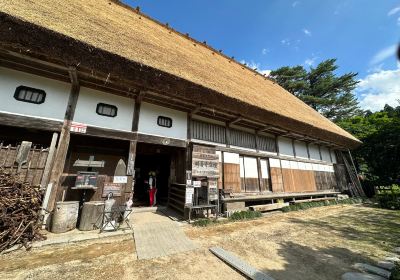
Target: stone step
[
  {"x": 386, "y": 265},
  {"x": 372, "y": 269},
  {"x": 361, "y": 276},
  {"x": 392, "y": 259}
]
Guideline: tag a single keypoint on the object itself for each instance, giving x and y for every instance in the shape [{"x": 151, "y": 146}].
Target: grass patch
[
  {"x": 313, "y": 204},
  {"x": 205, "y": 222},
  {"x": 245, "y": 215}
]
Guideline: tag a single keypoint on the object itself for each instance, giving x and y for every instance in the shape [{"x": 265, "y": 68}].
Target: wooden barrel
[{"x": 91, "y": 215}]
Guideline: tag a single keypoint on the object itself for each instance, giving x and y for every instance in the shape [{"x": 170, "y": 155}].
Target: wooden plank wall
[
  {"x": 32, "y": 171},
  {"x": 232, "y": 177}
]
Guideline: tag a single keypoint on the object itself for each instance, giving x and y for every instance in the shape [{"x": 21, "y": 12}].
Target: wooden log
[{"x": 91, "y": 215}]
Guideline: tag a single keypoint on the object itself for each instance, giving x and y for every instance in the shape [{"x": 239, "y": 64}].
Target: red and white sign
[{"x": 78, "y": 127}]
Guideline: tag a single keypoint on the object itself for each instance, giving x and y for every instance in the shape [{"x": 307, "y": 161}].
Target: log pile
[{"x": 19, "y": 212}]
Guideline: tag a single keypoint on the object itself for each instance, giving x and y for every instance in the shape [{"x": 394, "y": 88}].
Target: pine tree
[{"x": 321, "y": 88}]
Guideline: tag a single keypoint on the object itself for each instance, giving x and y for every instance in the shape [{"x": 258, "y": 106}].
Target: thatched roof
[{"x": 119, "y": 30}]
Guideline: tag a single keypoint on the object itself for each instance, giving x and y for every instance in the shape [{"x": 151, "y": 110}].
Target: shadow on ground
[{"x": 302, "y": 262}]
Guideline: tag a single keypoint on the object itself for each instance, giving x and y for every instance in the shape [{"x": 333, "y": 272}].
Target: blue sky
[{"x": 361, "y": 34}]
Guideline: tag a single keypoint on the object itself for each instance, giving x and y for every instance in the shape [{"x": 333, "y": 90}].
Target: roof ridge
[{"x": 186, "y": 36}]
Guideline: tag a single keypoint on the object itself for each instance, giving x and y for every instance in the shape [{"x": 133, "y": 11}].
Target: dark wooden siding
[
  {"x": 265, "y": 143},
  {"x": 242, "y": 139},
  {"x": 208, "y": 132}
]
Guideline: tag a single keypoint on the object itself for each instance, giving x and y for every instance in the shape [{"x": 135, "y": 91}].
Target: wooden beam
[
  {"x": 30, "y": 122},
  {"x": 152, "y": 139},
  {"x": 236, "y": 120},
  {"x": 197, "y": 109}
]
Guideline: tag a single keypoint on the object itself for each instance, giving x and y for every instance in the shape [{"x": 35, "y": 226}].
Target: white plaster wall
[
  {"x": 301, "y": 149},
  {"x": 85, "y": 111},
  {"x": 325, "y": 154},
  {"x": 148, "y": 121},
  {"x": 54, "y": 106},
  {"x": 264, "y": 169},
  {"x": 231, "y": 158},
  {"x": 314, "y": 152},
  {"x": 285, "y": 146},
  {"x": 274, "y": 162},
  {"x": 250, "y": 167}
]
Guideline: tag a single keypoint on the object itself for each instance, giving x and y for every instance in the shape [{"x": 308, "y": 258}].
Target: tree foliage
[
  {"x": 379, "y": 155},
  {"x": 321, "y": 88}
]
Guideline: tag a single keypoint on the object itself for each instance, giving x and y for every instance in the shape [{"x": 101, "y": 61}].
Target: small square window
[
  {"x": 106, "y": 110},
  {"x": 30, "y": 95},
  {"x": 164, "y": 121}
]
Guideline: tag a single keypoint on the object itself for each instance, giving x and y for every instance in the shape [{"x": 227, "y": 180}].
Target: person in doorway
[{"x": 152, "y": 188}]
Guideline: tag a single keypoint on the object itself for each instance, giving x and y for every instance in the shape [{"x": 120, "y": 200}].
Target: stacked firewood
[{"x": 19, "y": 212}]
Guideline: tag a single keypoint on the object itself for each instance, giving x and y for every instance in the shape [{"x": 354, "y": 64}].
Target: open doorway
[{"x": 161, "y": 160}]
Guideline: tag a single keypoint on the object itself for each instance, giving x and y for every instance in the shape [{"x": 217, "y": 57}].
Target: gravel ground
[{"x": 319, "y": 243}]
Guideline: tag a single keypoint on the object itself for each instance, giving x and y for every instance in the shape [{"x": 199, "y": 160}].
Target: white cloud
[
  {"x": 307, "y": 32},
  {"x": 378, "y": 89},
  {"x": 286, "y": 42},
  {"x": 394, "y": 11},
  {"x": 398, "y": 21},
  {"x": 264, "y": 51},
  {"x": 256, "y": 65},
  {"x": 295, "y": 3},
  {"x": 384, "y": 54},
  {"x": 310, "y": 61}
]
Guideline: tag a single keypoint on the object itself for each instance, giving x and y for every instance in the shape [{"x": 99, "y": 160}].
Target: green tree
[
  {"x": 321, "y": 88},
  {"x": 379, "y": 155}
]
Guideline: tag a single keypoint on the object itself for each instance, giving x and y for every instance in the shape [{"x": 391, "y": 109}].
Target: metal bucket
[{"x": 65, "y": 216}]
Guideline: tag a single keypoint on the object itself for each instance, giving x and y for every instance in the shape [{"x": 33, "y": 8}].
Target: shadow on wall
[{"x": 305, "y": 263}]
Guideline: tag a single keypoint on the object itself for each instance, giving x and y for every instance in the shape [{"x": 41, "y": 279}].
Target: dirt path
[{"x": 320, "y": 243}]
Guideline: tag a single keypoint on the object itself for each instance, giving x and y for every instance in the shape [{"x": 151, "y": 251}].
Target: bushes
[
  {"x": 389, "y": 197},
  {"x": 312, "y": 204},
  {"x": 245, "y": 215}
]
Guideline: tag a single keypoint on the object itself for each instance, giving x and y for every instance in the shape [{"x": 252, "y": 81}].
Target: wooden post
[
  {"x": 260, "y": 181},
  {"x": 49, "y": 162},
  {"x": 294, "y": 148},
  {"x": 130, "y": 170},
  {"x": 63, "y": 142},
  {"x": 227, "y": 135},
  {"x": 255, "y": 140},
  {"x": 308, "y": 150}
]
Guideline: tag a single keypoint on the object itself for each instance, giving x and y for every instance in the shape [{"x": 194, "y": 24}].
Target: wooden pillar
[
  {"x": 64, "y": 139},
  {"x": 188, "y": 164},
  {"x": 130, "y": 170},
  {"x": 294, "y": 148},
  {"x": 308, "y": 150},
  {"x": 227, "y": 134},
  {"x": 260, "y": 181},
  {"x": 255, "y": 140}
]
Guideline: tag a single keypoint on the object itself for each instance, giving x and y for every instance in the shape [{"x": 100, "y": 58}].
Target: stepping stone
[
  {"x": 361, "y": 276},
  {"x": 392, "y": 259},
  {"x": 386, "y": 265},
  {"x": 372, "y": 269}
]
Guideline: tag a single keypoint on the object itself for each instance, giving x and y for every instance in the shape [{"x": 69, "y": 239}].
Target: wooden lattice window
[
  {"x": 106, "y": 110},
  {"x": 164, "y": 121},
  {"x": 30, "y": 95}
]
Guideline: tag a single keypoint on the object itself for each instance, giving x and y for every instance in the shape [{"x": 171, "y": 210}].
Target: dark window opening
[
  {"x": 164, "y": 121},
  {"x": 30, "y": 95},
  {"x": 106, "y": 110}
]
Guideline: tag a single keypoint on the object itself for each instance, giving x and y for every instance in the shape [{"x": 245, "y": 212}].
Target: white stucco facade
[{"x": 54, "y": 105}]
